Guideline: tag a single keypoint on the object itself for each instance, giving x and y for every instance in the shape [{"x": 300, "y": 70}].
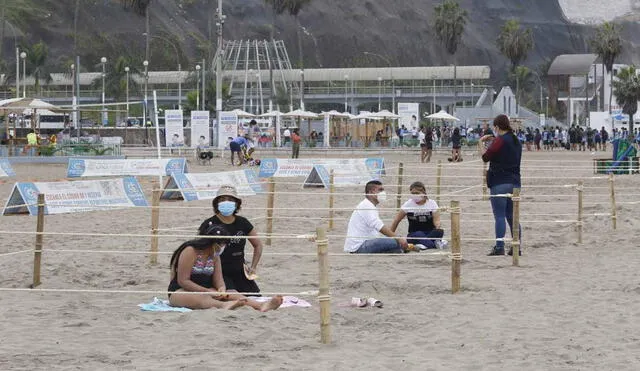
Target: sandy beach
[{"x": 569, "y": 306}]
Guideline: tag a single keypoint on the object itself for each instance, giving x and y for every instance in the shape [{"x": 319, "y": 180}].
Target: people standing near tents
[
  {"x": 296, "y": 140},
  {"x": 32, "y": 142},
  {"x": 287, "y": 136},
  {"x": 456, "y": 140}
]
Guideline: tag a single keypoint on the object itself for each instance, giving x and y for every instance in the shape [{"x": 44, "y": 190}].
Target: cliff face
[{"x": 338, "y": 31}]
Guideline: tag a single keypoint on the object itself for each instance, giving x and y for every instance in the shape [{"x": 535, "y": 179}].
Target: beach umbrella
[
  {"x": 384, "y": 114},
  {"x": 241, "y": 113},
  {"x": 443, "y": 115},
  {"x": 25, "y": 106}
]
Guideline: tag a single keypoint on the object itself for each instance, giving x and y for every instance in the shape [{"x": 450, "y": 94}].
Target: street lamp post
[
  {"x": 346, "y": 93},
  {"x": 302, "y": 90},
  {"x": 23, "y": 55},
  {"x": 393, "y": 81},
  {"x": 379, "y": 93},
  {"x": 547, "y": 108},
  {"x": 126, "y": 120},
  {"x": 103, "y": 61},
  {"x": 540, "y": 83},
  {"x": 146, "y": 87},
  {"x": 197, "y": 87},
  {"x": 15, "y": 45}
]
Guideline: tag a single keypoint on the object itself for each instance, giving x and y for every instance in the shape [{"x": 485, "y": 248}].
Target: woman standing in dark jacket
[{"x": 503, "y": 176}]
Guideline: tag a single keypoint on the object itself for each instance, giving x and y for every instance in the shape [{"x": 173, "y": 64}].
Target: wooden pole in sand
[
  {"x": 324, "y": 296},
  {"x": 270, "y": 202},
  {"x": 456, "y": 257},
  {"x": 438, "y": 178},
  {"x": 155, "y": 224},
  {"x": 400, "y": 174},
  {"x": 515, "y": 232},
  {"x": 331, "y": 191},
  {"x": 580, "y": 191},
  {"x": 37, "y": 255},
  {"x": 614, "y": 212}
]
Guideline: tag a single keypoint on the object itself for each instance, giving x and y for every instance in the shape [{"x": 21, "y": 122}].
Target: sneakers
[
  {"x": 495, "y": 251},
  {"x": 420, "y": 246},
  {"x": 511, "y": 252},
  {"x": 442, "y": 244}
]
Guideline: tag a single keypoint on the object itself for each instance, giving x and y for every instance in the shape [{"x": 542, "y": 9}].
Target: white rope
[
  {"x": 16, "y": 252},
  {"x": 156, "y": 292}
]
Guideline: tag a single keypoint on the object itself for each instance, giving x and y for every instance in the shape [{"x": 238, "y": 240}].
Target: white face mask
[
  {"x": 382, "y": 197},
  {"x": 417, "y": 198}
]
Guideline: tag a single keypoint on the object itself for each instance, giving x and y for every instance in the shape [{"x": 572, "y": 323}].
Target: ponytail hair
[{"x": 502, "y": 123}]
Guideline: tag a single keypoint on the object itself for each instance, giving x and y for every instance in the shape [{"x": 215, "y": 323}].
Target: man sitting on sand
[{"x": 365, "y": 226}]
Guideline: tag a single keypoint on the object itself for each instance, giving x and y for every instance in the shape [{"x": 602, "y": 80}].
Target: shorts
[{"x": 235, "y": 147}]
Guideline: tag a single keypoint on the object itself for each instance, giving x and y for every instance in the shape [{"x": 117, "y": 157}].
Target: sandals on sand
[{"x": 363, "y": 302}]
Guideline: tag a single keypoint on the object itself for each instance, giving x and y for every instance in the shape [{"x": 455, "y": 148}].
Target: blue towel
[{"x": 159, "y": 305}]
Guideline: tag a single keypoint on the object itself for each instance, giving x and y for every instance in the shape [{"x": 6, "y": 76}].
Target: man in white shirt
[{"x": 365, "y": 226}]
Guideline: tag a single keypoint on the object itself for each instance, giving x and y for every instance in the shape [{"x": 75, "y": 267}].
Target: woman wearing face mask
[
  {"x": 423, "y": 217},
  {"x": 195, "y": 267},
  {"x": 237, "y": 276}
]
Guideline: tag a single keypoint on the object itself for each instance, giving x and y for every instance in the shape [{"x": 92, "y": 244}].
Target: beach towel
[{"x": 159, "y": 305}]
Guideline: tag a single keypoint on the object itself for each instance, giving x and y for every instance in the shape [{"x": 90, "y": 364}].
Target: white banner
[
  {"x": 173, "y": 128},
  {"x": 200, "y": 129},
  {"x": 284, "y": 168},
  {"x": 348, "y": 174},
  {"x": 204, "y": 186},
  {"x": 407, "y": 111},
  {"x": 227, "y": 128},
  {"x": 5, "y": 168},
  {"x": 77, "y": 196},
  {"x": 83, "y": 167}
]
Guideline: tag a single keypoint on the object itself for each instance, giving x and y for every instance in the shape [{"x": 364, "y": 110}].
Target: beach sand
[{"x": 569, "y": 306}]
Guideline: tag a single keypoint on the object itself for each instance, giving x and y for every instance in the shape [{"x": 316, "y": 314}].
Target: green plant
[{"x": 101, "y": 151}]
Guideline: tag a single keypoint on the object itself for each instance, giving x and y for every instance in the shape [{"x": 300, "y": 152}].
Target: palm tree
[
  {"x": 141, "y": 7},
  {"x": 627, "y": 91},
  {"x": 294, "y": 7},
  {"x": 36, "y": 61},
  {"x": 450, "y": 22},
  {"x": 515, "y": 43},
  {"x": 608, "y": 45}
]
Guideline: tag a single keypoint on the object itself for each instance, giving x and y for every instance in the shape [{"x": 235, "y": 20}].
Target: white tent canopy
[
  {"x": 443, "y": 115},
  {"x": 384, "y": 114}
]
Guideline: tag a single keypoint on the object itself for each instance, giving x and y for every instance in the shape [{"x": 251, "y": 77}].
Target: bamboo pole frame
[
  {"x": 580, "y": 194},
  {"x": 515, "y": 231},
  {"x": 438, "y": 181},
  {"x": 37, "y": 255},
  {"x": 399, "y": 189},
  {"x": 324, "y": 296},
  {"x": 155, "y": 224},
  {"x": 456, "y": 257},
  {"x": 331, "y": 197},
  {"x": 270, "y": 204},
  {"x": 614, "y": 212}
]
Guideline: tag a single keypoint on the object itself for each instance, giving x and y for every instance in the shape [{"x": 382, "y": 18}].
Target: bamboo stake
[
  {"x": 323, "y": 289},
  {"x": 580, "y": 191},
  {"x": 270, "y": 203},
  {"x": 438, "y": 178},
  {"x": 331, "y": 191},
  {"x": 456, "y": 257},
  {"x": 155, "y": 223},
  {"x": 37, "y": 255},
  {"x": 614, "y": 212},
  {"x": 400, "y": 173},
  {"x": 515, "y": 231}
]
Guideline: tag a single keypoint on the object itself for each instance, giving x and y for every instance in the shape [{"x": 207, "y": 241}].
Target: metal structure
[{"x": 259, "y": 64}]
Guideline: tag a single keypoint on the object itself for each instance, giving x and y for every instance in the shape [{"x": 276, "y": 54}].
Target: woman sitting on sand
[
  {"x": 196, "y": 267},
  {"x": 423, "y": 217},
  {"x": 237, "y": 276}
]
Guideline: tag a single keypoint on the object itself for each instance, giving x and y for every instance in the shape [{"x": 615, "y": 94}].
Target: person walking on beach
[
  {"x": 365, "y": 226},
  {"x": 503, "y": 176}
]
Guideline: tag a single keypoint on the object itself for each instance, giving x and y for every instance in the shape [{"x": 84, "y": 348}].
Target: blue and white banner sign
[
  {"x": 84, "y": 167},
  {"x": 204, "y": 186},
  {"x": 284, "y": 168},
  {"x": 77, "y": 196},
  {"x": 5, "y": 168}
]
